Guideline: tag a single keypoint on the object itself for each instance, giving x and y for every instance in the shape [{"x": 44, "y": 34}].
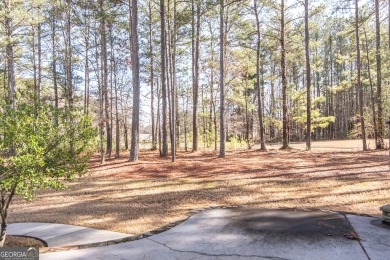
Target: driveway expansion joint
[{"x": 359, "y": 240}]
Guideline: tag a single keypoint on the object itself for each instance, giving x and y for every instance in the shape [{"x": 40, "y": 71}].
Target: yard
[{"x": 138, "y": 197}]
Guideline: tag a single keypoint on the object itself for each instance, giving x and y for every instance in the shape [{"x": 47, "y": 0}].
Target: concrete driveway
[{"x": 242, "y": 233}]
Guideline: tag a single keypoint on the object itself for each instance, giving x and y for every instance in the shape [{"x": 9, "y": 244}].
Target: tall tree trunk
[
  {"x": 68, "y": 48},
  {"x": 222, "y": 79},
  {"x": 284, "y": 79},
  {"x": 69, "y": 61},
  {"x": 99, "y": 74},
  {"x": 258, "y": 67},
  {"x": 136, "y": 82},
  {"x": 196, "y": 76},
  {"x": 39, "y": 55},
  {"x": 34, "y": 62},
  {"x": 111, "y": 88},
  {"x": 154, "y": 144},
  {"x": 359, "y": 83},
  {"x": 331, "y": 103},
  {"x": 103, "y": 42},
  {"x": 168, "y": 59},
  {"x": 212, "y": 103},
  {"x": 308, "y": 78},
  {"x": 105, "y": 84},
  {"x": 86, "y": 72},
  {"x": 173, "y": 90},
  {"x": 379, "y": 144},
  {"x": 163, "y": 82},
  {"x": 113, "y": 71}
]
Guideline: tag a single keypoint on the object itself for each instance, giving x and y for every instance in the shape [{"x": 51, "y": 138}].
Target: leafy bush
[{"x": 40, "y": 147}]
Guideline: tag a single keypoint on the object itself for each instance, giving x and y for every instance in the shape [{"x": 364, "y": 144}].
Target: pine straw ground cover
[
  {"x": 19, "y": 241},
  {"x": 138, "y": 197}
]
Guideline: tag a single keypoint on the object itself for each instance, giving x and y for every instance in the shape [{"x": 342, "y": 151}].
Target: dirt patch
[
  {"x": 19, "y": 241},
  {"x": 138, "y": 197}
]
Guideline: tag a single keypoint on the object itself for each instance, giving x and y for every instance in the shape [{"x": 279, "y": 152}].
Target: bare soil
[{"x": 137, "y": 197}]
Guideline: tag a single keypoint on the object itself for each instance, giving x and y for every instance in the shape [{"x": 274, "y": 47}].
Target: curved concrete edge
[
  {"x": 66, "y": 236},
  {"x": 27, "y": 229},
  {"x": 90, "y": 245},
  {"x": 127, "y": 239}
]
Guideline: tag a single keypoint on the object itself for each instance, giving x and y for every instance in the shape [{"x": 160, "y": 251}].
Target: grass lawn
[{"x": 138, "y": 197}]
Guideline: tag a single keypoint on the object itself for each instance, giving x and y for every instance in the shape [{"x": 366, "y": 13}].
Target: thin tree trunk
[
  {"x": 163, "y": 81},
  {"x": 114, "y": 82},
  {"x": 86, "y": 72},
  {"x": 99, "y": 74},
  {"x": 196, "y": 79},
  {"x": 212, "y": 89},
  {"x": 39, "y": 56},
  {"x": 54, "y": 61},
  {"x": 186, "y": 123},
  {"x": 68, "y": 47},
  {"x": 169, "y": 76},
  {"x": 204, "y": 136},
  {"x": 168, "y": 59},
  {"x": 308, "y": 78},
  {"x": 284, "y": 80},
  {"x": 262, "y": 90},
  {"x": 247, "y": 124},
  {"x": 69, "y": 61},
  {"x": 259, "y": 96},
  {"x": 193, "y": 67},
  {"x": 105, "y": 77},
  {"x": 173, "y": 90},
  {"x": 154, "y": 144},
  {"x": 117, "y": 123},
  {"x": 136, "y": 82},
  {"x": 222, "y": 79},
  {"x": 34, "y": 62},
  {"x": 359, "y": 83},
  {"x": 273, "y": 105},
  {"x": 379, "y": 143},
  {"x": 111, "y": 88},
  {"x": 158, "y": 123}
]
